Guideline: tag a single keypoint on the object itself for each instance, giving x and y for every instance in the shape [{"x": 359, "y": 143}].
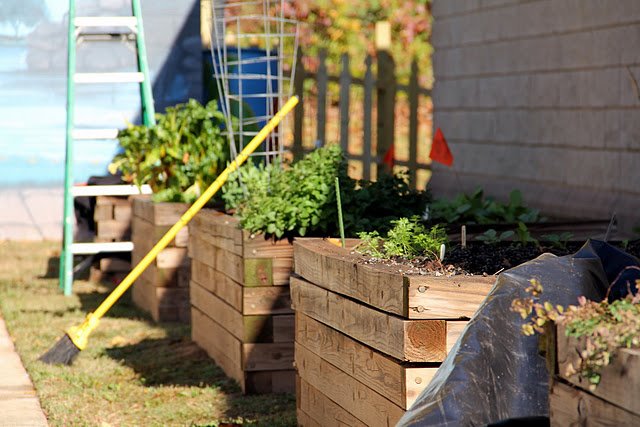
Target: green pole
[
  {"x": 340, "y": 222},
  {"x": 66, "y": 257},
  {"x": 148, "y": 109}
]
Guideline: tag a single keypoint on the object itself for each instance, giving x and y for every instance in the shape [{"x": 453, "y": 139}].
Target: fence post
[
  {"x": 345, "y": 86},
  {"x": 366, "y": 119},
  {"x": 414, "y": 100},
  {"x": 386, "y": 107},
  {"x": 322, "y": 97},
  {"x": 298, "y": 114}
]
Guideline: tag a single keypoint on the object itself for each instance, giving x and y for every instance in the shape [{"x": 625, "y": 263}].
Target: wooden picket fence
[{"x": 379, "y": 102}]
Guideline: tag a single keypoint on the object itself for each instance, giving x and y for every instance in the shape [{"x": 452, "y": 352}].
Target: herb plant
[
  {"x": 178, "y": 157},
  {"x": 286, "y": 202},
  {"x": 603, "y": 327},
  {"x": 408, "y": 239},
  {"x": 300, "y": 199}
]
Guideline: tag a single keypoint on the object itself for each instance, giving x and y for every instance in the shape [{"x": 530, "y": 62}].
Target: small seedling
[
  {"x": 558, "y": 241},
  {"x": 408, "y": 238},
  {"x": 491, "y": 236},
  {"x": 523, "y": 235}
]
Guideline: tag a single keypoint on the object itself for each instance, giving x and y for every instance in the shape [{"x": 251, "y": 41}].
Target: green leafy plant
[
  {"x": 290, "y": 201},
  {"x": 523, "y": 235},
  {"x": 372, "y": 205},
  {"x": 178, "y": 157},
  {"x": 558, "y": 241},
  {"x": 371, "y": 244},
  {"x": 408, "y": 238},
  {"x": 603, "y": 327},
  {"x": 474, "y": 208},
  {"x": 300, "y": 198},
  {"x": 491, "y": 236}
]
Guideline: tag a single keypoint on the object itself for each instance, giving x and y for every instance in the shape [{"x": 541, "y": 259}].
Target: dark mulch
[{"x": 480, "y": 258}]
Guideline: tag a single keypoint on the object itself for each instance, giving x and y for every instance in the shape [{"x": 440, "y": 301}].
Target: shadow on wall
[{"x": 180, "y": 77}]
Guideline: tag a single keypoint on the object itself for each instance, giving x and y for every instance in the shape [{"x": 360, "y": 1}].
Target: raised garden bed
[
  {"x": 112, "y": 216},
  {"x": 369, "y": 337},
  {"x": 163, "y": 288},
  {"x": 613, "y": 402},
  {"x": 241, "y": 306}
]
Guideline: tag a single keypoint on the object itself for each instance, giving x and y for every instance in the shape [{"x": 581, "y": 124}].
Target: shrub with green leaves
[
  {"x": 408, "y": 238},
  {"x": 300, "y": 199},
  {"x": 286, "y": 202},
  {"x": 179, "y": 157}
]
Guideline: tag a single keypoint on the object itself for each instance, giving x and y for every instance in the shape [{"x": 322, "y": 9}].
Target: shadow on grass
[
  {"x": 53, "y": 269},
  {"x": 123, "y": 308},
  {"x": 172, "y": 361}
]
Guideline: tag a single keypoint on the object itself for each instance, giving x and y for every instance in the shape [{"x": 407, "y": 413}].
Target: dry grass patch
[{"x": 134, "y": 372}]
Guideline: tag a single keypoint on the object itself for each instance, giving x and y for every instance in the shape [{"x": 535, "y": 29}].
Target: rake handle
[{"x": 197, "y": 205}]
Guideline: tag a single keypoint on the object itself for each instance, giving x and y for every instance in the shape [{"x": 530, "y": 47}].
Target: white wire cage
[{"x": 253, "y": 49}]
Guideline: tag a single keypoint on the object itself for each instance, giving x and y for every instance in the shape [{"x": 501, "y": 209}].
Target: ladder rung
[
  {"x": 98, "y": 247},
  {"x": 108, "y": 77},
  {"x": 109, "y": 190},
  {"x": 106, "y": 21},
  {"x": 95, "y": 134}
]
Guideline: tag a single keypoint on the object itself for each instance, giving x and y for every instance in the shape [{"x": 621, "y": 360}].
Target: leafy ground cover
[{"x": 134, "y": 372}]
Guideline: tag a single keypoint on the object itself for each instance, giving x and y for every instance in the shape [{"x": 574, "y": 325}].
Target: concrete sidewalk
[
  {"x": 19, "y": 405},
  {"x": 31, "y": 213}
]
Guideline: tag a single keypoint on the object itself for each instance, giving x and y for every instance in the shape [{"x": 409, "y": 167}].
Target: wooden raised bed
[
  {"x": 163, "y": 288},
  {"x": 369, "y": 338},
  {"x": 112, "y": 216},
  {"x": 241, "y": 306},
  {"x": 613, "y": 402}
]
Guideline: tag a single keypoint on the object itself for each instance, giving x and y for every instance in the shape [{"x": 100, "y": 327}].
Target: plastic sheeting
[{"x": 494, "y": 373}]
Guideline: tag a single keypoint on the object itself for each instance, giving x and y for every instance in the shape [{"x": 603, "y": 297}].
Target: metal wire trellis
[{"x": 253, "y": 48}]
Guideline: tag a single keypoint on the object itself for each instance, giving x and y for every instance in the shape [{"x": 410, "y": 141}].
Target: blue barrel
[{"x": 254, "y": 62}]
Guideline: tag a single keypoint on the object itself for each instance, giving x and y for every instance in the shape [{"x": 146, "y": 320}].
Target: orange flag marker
[{"x": 440, "y": 150}]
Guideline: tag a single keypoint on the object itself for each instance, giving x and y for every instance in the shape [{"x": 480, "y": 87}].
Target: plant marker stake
[
  {"x": 463, "y": 236},
  {"x": 443, "y": 250},
  {"x": 610, "y": 227},
  {"x": 78, "y": 335},
  {"x": 340, "y": 223}
]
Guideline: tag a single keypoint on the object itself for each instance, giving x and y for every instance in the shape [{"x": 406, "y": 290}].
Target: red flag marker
[
  {"x": 389, "y": 157},
  {"x": 440, "y": 150}
]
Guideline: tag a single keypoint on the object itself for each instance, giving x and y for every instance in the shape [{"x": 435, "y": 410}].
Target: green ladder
[{"x": 90, "y": 28}]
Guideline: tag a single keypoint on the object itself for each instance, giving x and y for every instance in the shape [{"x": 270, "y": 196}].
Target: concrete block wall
[{"x": 538, "y": 95}]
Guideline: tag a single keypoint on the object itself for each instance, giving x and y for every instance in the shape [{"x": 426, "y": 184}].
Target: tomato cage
[{"x": 253, "y": 49}]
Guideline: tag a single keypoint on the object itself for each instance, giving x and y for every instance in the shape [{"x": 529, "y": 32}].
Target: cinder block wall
[{"x": 537, "y": 95}]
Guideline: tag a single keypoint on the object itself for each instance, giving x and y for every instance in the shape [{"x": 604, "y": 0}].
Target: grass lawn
[{"x": 134, "y": 372}]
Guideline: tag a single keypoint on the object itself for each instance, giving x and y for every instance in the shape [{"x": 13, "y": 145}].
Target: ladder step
[
  {"x": 109, "y": 190},
  {"x": 108, "y": 77},
  {"x": 95, "y": 134},
  {"x": 96, "y": 248},
  {"x": 106, "y": 21}
]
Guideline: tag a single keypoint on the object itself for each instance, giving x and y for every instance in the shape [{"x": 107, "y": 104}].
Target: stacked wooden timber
[
  {"x": 614, "y": 402},
  {"x": 241, "y": 306},
  {"x": 369, "y": 338},
  {"x": 112, "y": 216},
  {"x": 163, "y": 288}
]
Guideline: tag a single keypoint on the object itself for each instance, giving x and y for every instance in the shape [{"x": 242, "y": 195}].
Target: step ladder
[{"x": 87, "y": 29}]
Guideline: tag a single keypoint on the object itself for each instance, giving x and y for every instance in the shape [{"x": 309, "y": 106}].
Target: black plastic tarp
[{"x": 495, "y": 373}]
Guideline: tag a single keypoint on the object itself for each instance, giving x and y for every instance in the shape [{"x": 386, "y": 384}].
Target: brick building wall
[{"x": 538, "y": 95}]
